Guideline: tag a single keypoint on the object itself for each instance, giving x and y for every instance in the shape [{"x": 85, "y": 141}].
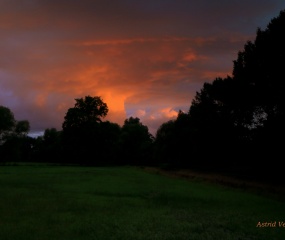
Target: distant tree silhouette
[
  {"x": 135, "y": 143},
  {"x": 22, "y": 127},
  {"x": 48, "y": 148},
  {"x": 172, "y": 142},
  {"x": 86, "y": 138},
  {"x": 15, "y": 145},
  {"x": 108, "y": 144},
  {"x": 17, "y": 149},
  {"x": 214, "y": 123},
  {"x": 86, "y": 111},
  {"x": 51, "y": 136},
  {"x": 165, "y": 152},
  {"x": 81, "y": 130},
  {"x": 7, "y": 121}
]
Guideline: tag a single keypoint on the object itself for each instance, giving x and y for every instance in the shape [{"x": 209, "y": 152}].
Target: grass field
[{"x": 74, "y": 203}]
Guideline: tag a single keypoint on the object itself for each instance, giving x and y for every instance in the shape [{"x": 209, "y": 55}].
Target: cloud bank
[{"x": 145, "y": 59}]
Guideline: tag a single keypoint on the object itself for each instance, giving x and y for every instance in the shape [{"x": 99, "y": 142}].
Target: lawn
[{"x": 78, "y": 203}]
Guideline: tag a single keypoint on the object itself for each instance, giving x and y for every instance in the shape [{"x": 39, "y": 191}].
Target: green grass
[{"x": 74, "y": 203}]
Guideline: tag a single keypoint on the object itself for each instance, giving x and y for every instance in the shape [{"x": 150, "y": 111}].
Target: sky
[{"x": 144, "y": 58}]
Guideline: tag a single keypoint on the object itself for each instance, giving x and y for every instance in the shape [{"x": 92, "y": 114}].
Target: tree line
[
  {"x": 234, "y": 125},
  {"x": 84, "y": 139}
]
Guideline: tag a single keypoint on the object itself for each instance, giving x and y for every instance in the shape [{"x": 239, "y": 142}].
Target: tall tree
[
  {"x": 172, "y": 142},
  {"x": 86, "y": 111},
  {"x": 48, "y": 148},
  {"x": 243, "y": 116},
  {"x": 15, "y": 145},
  {"x": 259, "y": 68},
  {"x": 82, "y": 130},
  {"x": 22, "y": 127},
  {"x": 7, "y": 120},
  {"x": 135, "y": 142},
  {"x": 215, "y": 123}
]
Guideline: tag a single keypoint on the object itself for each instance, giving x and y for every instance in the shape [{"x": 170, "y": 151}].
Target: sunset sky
[{"x": 145, "y": 58}]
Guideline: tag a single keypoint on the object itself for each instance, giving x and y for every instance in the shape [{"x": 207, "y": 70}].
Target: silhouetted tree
[
  {"x": 86, "y": 111},
  {"x": 22, "y": 127},
  {"x": 215, "y": 124},
  {"x": 109, "y": 137},
  {"x": 15, "y": 145},
  {"x": 165, "y": 154},
  {"x": 17, "y": 149},
  {"x": 83, "y": 131},
  {"x": 172, "y": 143},
  {"x": 135, "y": 143},
  {"x": 7, "y": 121},
  {"x": 239, "y": 120},
  {"x": 48, "y": 148},
  {"x": 259, "y": 68}
]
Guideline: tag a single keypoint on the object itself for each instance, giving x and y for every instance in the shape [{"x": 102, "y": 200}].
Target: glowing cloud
[{"x": 144, "y": 58}]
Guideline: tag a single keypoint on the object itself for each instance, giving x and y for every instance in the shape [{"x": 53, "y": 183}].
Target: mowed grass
[{"x": 74, "y": 203}]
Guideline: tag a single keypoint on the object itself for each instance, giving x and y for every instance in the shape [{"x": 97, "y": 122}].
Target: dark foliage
[
  {"x": 236, "y": 124},
  {"x": 86, "y": 111},
  {"x": 48, "y": 148},
  {"x": 172, "y": 143},
  {"x": 15, "y": 145},
  {"x": 7, "y": 120},
  {"x": 17, "y": 149},
  {"x": 135, "y": 143},
  {"x": 83, "y": 133}
]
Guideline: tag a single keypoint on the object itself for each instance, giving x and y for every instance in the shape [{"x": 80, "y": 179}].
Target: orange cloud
[
  {"x": 141, "y": 71},
  {"x": 140, "y": 57},
  {"x": 40, "y": 100},
  {"x": 139, "y": 40},
  {"x": 154, "y": 118},
  {"x": 139, "y": 113},
  {"x": 169, "y": 112}
]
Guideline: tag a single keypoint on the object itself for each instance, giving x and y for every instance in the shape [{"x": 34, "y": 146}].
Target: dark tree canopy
[
  {"x": 135, "y": 142},
  {"x": 254, "y": 97},
  {"x": 164, "y": 143},
  {"x": 9, "y": 126},
  {"x": 22, "y": 127},
  {"x": 86, "y": 138},
  {"x": 15, "y": 145},
  {"x": 259, "y": 73},
  {"x": 238, "y": 121},
  {"x": 88, "y": 110},
  {"x": 7, "y": 120},
  {"x": 259, "y": 69},
  {"x": 173, "y": 143}
]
